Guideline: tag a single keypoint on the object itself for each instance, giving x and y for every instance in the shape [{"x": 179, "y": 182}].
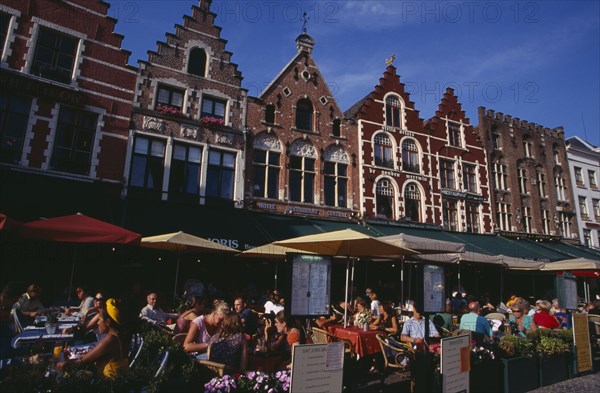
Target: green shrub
[
  {"x": 514, "y": 346},
  {"x": 549, "y": 346}
]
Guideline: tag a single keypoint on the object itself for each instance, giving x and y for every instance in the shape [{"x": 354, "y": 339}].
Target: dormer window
[
  {"x": 54, "y": 56},
  {"x": 392, "y": 111},
  {"x": 197, "y": 62},
  {"x": 304, "y": 115}
]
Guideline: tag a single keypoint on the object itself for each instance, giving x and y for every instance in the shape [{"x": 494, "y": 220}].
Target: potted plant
[
  {"x": 520, "y": 367},
  {"x": 249, "y": 382},
  {"x": 553, "y": 356}
]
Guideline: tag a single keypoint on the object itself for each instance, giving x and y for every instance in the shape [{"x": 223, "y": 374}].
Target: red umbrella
[{"x": 78, "y": 228}]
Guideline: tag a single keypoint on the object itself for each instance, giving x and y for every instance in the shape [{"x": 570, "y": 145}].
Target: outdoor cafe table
[
  {"x": 38, "y": 335},
  {"x": 364, "y": 341},
  {"x": 41, "y": 319}
]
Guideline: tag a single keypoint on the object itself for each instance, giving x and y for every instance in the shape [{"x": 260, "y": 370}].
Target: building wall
[
  {"x": 96, "y": 81},
  {"x": 218, "y": 79},
  {"x": 465, "y": 151},
  {"x": 506, "y": 140},
  {"x": 301, "y": 79},
  {"x": 370, "y": 118},
  {"x": 585, "y": 159}
]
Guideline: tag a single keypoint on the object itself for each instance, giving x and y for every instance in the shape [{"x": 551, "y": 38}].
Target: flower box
[
  {"x": 553, "y": 369},
  {"x": 486, "y": 377},
  {"x": 211, "y": 122},
  {"x": 520, "y": 374}
]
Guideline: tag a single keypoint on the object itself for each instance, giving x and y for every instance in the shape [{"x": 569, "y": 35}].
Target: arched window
[
  {"x": 410, "y": 156},
  {"x": 336, "y": 177},
  {"x": 383, "y": 150},
  {"x": 384, "y": 199},
  {"x": 266, "y": 164},
  {"x": 302, "y": 172},
  {"x": 304, "y": 115},
  {"x": 412, "y": 203},
  {"x": 197, "y": 62},
  {"x": 392, "y": 111}
]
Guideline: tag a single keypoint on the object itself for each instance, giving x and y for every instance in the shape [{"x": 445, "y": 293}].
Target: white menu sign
[{"x": 311, "y": 280}]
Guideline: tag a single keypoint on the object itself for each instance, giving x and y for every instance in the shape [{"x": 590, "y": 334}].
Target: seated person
[
  {"x": 272, "y": 305},
  {"x": 386, "y": 320},
  {"x": 110, "y": 355},
  {"x": 413, "y": 330},
  {"x": 286, "y": 336},
  {"x": 86, "y": 302},
  {"x": 542, "y": 318},
  {"x": 519, "y": 319},
  {"x": 360, "y": 307},
  {"x": 561, "y": 314},
  {"x": 154, "y": 314},
  {"x": 205, "y": 329},
  {"x": 476, "y": 323},
  {"x": 231, "y": 346},
  {"x": 196, "y": 306},
  {"x": 29, "y": 303},
  {"x": 90, "y": 319},
  {"x": 249, "y": 317}
]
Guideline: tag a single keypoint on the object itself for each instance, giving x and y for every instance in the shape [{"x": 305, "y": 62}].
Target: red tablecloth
[{"x": 364, "y": 341}]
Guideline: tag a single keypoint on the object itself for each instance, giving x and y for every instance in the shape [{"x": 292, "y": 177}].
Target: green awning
[{"x": 571, "y": 251}]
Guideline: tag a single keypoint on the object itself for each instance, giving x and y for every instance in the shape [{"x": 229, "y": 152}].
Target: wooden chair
[
  {"x": 398, "y": 358},
  {"x": 319, "y": 336},
  {"x": 218, "y": 369}
]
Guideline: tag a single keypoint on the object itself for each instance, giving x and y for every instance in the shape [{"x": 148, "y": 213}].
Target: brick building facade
[
  {"x": 66, "y": 98},
  {"x": 531, "y": 194},
  {"x": 187, "y": 138},
  {"x": 395, "y": 174},
  {"x": 302, "y": 154},
  {"x": 460, "y": 189}
]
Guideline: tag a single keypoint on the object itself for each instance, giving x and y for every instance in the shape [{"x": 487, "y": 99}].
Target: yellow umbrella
[
  {"x": 423, "y": 244},
  {"x": 572, "y": 264},
  {"x": 347, "y": 243},
  {"x": 180, "y": 242},
  {"x": 270, "y": 251}
]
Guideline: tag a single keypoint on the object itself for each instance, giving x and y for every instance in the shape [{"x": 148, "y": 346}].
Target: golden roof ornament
[{"x": 391, "y": 59}]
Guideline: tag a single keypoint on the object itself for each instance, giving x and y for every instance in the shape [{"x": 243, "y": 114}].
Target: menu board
[
  {"x": 455, "y": 363},
  {"x": 317, "y": 368},
  {"x": 311, "y": 281},
  {"x": 581, "y": 338},
  {"x": 566, "y": 289},
  {"x": 433, "y": 288}
]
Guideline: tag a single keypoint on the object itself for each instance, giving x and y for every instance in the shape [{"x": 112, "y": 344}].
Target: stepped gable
[
  {"x": 451, "y": 108},
  {"x": 197, "y": 29},
  {"x": 389, "y": 82}
]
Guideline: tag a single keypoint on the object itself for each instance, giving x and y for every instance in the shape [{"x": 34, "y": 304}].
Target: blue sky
[{"x": 536, "y": 60}]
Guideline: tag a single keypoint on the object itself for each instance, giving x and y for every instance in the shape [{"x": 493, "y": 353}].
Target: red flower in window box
[
  {"x": 211, "y": 122},
  {"x": 169, "y": 110}
]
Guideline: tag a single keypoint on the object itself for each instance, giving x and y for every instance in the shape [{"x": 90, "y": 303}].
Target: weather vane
[
  {"x": 305, "y": 18},
  {"x": 391, "y": 59}
]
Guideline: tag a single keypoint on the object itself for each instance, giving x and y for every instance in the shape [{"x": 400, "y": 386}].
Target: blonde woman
[{"x": 204, "y": 328}]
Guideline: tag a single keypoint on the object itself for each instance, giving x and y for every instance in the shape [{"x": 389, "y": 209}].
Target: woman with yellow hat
[{"x": 110, "y": 355}]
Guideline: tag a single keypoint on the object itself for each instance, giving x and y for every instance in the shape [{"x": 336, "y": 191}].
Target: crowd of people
[{"x": 212, "y": 329}]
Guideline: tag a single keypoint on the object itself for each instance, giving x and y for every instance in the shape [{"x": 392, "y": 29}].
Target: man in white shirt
[
  {"x": 153, "y": 314},
  {"x": 87, "y": 302},
  {"x": 273, "y": 305},
  {"x": 413, "y": 330}
]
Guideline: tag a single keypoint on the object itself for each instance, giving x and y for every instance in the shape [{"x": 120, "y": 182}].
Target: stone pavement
[{"x": 587, "y": 383}]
